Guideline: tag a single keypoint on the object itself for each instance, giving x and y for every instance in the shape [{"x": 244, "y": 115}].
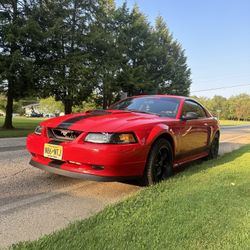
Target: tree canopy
[
  {"x": 16, "y": 58},
  {"x": 73, "y": 49},
  {"x": 234, "y": 108}
]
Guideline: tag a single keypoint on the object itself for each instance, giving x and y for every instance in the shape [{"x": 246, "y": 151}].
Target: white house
[{"x": 31, "y": 108}]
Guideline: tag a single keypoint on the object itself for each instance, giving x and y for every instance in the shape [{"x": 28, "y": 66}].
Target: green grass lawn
[
  {"x": 23, "y": 126},
  {"x": 206, "y": 206},
  {"x": 233, "y": 123}
]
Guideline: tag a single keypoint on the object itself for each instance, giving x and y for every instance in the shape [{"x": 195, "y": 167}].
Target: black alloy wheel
[
  {"x": 160, "y": 162},
  {"x": 214, "y": 148}
]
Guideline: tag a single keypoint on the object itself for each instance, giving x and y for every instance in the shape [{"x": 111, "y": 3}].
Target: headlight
[
  {"x": 98, "y": 137},
  {"x": 111, "y": 138},
  {"x": 38, "y": 130}
]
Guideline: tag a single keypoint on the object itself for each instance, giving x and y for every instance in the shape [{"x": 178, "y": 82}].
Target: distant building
[
  {"x": 31, "y": 108},
  {"x": 34, "y": 109}
]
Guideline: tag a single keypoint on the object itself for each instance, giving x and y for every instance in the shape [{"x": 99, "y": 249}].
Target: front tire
[{"x": 159, "y": 165}]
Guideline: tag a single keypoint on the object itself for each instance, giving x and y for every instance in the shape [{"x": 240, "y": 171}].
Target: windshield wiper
[{"x": 141, "y": 111}]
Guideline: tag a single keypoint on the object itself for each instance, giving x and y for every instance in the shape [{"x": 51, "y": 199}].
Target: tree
[
  {"x": 16, "y": 66},
  {"x": 170, "y": 70},
  {"x": 137, "y": 45},
  {"x": 235, "y": 107},
  {"x": 50, "y": 106},
  {"x": 218, "y": 106},
  {"x": 205, "y": 101},
  {"x": 2, "y": 102},
  {"x": 123, "y": 52},
  {"x": 66, "y": 68},
  {"x": 152, "y": 61},
  {"x": 70, "y": 49},
  {"x": 239, "y": 106},
  {"x": 105, "y": 51},
  {"x": 89, "y": 104}
]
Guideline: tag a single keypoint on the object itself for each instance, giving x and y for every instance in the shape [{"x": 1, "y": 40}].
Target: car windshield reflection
[{"x": 161, "y": 106}]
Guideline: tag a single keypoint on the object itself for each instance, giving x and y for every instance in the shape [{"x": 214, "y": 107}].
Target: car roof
[{"x": 162, "y": 95}]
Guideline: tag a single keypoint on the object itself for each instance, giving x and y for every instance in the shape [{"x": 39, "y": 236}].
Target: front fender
[{"x": 158, "y": 131}]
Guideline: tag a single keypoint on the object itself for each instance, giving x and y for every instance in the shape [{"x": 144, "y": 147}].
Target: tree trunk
[
  {"x": 10, "y": 94},
  {"x": 104, "y": 101},
  {"x": 9, "y": 107},
  {"x": 109, "y": 99},
  {"x": 104, "y": 98},
  {"x": 67, "y": 106}
]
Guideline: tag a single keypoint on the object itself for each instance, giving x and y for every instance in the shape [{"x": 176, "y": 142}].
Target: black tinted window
[{"x": 190, "y": 106}]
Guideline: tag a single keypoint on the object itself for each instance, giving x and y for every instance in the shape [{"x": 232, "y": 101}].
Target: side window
[
  {"x": 187, "y": 107},
  {"x": 190, "y": 106},
  {"x": 201, "y": 112}
]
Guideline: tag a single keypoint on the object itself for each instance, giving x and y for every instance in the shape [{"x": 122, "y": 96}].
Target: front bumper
[
  {"x": 77, "y": 175},
  {"x": 93, "y": 159}
]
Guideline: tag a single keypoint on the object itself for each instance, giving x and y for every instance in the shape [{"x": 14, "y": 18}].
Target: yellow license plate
[{"x": 53, "y": 151}]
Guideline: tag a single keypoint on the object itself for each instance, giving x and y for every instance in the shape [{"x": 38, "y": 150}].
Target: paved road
[
  {"x": 33, "y": 203},
  {"x": 234, "y": 137}
]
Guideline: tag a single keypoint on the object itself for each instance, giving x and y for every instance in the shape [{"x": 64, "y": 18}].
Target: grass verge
[
  {"x": 207, "y": 206},
  {"x": 233, "y": 123},
  {"x": 23, "y": 126}
]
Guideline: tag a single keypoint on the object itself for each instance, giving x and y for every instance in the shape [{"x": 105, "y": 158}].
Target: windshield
[{"x": 162, "y": 106}]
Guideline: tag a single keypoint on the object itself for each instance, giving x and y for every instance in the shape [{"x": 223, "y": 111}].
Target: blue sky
[{"x": 215, "y": 36}]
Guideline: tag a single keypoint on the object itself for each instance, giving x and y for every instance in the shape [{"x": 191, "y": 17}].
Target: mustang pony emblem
[{"x": 65, "y": 132}]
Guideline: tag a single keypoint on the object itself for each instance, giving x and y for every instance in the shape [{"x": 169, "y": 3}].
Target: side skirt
[{"x": 190, "y": 158}]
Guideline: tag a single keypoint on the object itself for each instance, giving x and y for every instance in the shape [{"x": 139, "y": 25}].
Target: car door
[{"x": 194, "y": 133}]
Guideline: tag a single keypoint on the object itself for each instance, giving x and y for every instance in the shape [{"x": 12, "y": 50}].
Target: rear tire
[
  {"x": 214, "y": 148},
  {"x": 159, "y": 165}
]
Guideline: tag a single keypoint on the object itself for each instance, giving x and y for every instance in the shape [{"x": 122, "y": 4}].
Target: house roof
[{"x": 31, "y": 105}]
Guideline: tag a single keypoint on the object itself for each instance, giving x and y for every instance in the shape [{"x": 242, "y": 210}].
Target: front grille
[{"x": 63, "y": 134}]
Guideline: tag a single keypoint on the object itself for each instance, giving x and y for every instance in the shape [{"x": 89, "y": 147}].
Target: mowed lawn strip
[
  {"x": 23, "y": 126},
  {"x": 206, "y": 206},
  {"x": 233, "y": 123}
]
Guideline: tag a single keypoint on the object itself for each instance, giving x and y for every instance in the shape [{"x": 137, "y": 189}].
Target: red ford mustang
[{"x": 142, "y": 136}]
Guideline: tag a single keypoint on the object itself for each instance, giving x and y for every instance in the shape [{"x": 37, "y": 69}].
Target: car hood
[{"x": 102, "y": 121}]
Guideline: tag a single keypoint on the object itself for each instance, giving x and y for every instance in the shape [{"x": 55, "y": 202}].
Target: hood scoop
[{"x": 98, "y": 112}]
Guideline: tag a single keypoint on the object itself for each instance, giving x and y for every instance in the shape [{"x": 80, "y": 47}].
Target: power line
[
  {"x": 226, "y": 87},
  {"x": 221, "y": 77}
]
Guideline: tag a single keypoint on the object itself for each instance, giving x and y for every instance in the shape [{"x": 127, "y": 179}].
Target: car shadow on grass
[{"x": 204, "y": 164}]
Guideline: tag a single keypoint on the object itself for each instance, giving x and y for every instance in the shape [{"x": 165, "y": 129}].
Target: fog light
[{"x": 97, "y": 167}]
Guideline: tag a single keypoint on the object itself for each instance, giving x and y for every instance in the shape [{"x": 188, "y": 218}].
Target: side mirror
[{"x": 190, "y": 116}]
